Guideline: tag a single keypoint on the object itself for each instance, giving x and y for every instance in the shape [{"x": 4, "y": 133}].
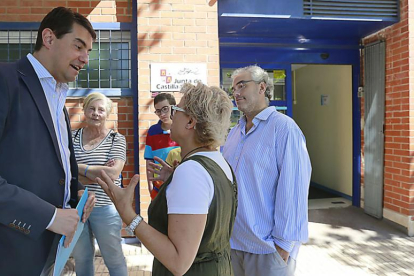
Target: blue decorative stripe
[
  {"x": 110, "y": 92},
  {"x": 35, "y": 25}
]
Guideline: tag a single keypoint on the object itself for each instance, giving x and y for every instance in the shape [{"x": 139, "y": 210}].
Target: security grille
[
  {"x": 374, "y": 9},
  {"x": 109, "y": 61}
]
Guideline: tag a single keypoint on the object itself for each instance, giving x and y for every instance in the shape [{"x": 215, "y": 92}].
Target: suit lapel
[{"x": 32, "y": 82}]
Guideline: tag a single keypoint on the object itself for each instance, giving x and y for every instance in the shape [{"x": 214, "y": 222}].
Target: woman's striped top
[{"x": 113, "y": 146}]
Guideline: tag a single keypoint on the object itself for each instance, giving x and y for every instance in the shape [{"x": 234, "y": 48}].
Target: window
[
  {"x": 16, "y": 44},
  {"x": 109, "y": 61}
]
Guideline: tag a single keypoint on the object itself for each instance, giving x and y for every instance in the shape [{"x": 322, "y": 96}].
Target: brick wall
[
  {"x": 399, "y": 105},
  {"x": 172, "y": 31},
  {"x": 96, "y": 11}
]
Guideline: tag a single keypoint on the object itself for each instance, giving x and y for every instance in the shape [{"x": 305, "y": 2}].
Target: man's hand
[
  {"x": 284, "y": 254},
  {"x": 65, "y": 223},
  {"x": 90, "y": 203}
]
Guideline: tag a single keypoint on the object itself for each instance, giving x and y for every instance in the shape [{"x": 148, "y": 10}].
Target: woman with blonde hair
[
  {"x": 191, "y": 219},
  {"x": 97, "y": 149}
]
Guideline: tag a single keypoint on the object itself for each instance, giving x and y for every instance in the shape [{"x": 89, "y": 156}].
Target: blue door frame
[{"x": 272, "y": 56}]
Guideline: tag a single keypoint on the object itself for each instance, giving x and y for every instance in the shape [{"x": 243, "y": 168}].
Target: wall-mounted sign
[
  {"x": 324, "y": 99},
  {"x": 170, "y": 77}
]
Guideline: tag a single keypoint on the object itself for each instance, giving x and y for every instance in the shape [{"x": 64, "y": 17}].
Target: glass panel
[
  {"x": 28, "y": 37},
  {"x": 93, "y": 84},
  {"x": 94, "y": 54},
  {"x": 105, "y": 83},
  {"x": 278, "y": 76},
  {"x": 83, "y": 76},
  {"x": 4, "y": 52},
  {"x": 235, "y": 116},
  {"x": 120, "y": 64},
  {"x": 94, "y": 75},
  {"x": 105, "y": 74},
  {"x": 120, "y": 83},
  {"x": 4, "y": 37},
  {"x": 82, "y": 84},
  {"x": 14, "y": 54},
  {"x": 105, "y": 64},
  {"x": 26, "y": 48},
  {"x": 226, "y": 80},
  {"x": 119, "y": 74},
  {"x": 279, "y": 92}
]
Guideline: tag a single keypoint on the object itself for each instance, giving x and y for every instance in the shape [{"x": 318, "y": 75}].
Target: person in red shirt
[{"x": 158, "y": 142}]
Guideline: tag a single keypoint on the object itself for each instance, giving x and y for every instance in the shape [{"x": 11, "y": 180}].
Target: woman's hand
[
  {"x": 110, "y": 163},
  {"x": 162, "y": 170},
  {"x": 121, "y": 197}
]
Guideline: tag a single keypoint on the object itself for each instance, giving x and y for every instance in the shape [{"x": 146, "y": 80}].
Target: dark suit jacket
[{"x": 32, "y": 178}]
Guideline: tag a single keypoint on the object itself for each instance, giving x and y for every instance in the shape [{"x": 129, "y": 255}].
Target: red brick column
[{"x": 182, "y": 31}]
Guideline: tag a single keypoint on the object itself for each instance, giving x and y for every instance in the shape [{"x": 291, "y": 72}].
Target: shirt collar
[
  {"x": 163, "y": 131},
  {"x": 262, "y": 116},
  {"x": 265, "y": 113},
  {"x": 43, "y": 73}
]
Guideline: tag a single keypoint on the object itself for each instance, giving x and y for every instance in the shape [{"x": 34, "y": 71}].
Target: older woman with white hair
[
  {"x": 97, "y": 149},
  {"x": 191, "y": 219}
]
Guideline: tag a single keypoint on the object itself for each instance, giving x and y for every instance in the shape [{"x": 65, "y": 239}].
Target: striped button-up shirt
[
  {"x": 56, "y": 96},
  {"x": 273, "y": 170}
]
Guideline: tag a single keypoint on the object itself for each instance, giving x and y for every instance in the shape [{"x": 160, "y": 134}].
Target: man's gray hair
[{"x": 258, "y": 75}]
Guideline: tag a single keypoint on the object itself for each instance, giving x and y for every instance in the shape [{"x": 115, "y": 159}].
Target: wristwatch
[{"x": 130, "y": 229}]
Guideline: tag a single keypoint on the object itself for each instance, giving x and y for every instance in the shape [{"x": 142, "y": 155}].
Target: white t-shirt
[{"x": 192, "y": 189}]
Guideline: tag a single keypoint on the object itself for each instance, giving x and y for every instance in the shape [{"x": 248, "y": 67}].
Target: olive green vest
[{"x": 213, "y": 255}]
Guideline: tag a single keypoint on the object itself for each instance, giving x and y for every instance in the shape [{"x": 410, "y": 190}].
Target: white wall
[{"x": 327, "y": 128}]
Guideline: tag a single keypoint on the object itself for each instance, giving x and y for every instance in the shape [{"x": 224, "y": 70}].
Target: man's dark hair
[
  {"x": 164, "y": 96},
  {"x": 60, "y": 20}
]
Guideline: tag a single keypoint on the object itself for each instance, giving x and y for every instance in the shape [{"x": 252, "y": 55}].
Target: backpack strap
[{"x": 76, "y": 134}]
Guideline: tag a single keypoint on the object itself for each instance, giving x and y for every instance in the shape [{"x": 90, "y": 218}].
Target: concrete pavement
[
  {"x": 346, "y": 241},
  {"x": 342, "y": 241}
]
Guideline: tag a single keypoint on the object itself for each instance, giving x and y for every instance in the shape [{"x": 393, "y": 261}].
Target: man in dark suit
[{"x": 38, "y": 171}]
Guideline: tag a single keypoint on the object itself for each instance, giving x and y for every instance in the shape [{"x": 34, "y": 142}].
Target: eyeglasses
[
  {"x": 163, "y": 110},
  {"x": 241, "y": 85},
  {"x": 175, "y": 108}
]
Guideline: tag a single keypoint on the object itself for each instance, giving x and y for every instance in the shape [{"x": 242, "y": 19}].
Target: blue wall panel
[{"x": 273, "y": 56}]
